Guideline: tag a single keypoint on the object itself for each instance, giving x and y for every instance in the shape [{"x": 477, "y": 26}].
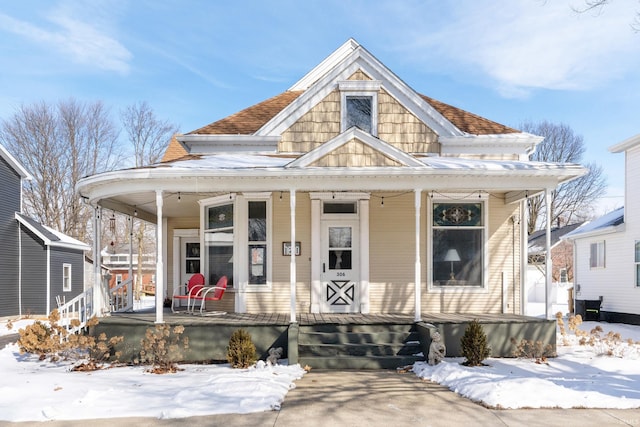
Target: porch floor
[{"x": 310, "y": 319}]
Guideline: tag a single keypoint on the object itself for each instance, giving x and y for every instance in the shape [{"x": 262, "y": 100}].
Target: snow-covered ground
[{"x": 579, "y": 377}]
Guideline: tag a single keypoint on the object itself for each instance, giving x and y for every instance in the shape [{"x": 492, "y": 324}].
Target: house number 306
[{"x": 341, "y": 274}]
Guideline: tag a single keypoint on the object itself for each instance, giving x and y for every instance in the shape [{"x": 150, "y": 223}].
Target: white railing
[
  {"x": 80, "y": 308},
  {"x": 121, "y": 297}
]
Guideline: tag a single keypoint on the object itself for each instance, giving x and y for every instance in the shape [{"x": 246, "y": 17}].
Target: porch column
[
  {"x": 98, "y": 300},
  {"x": 130, "y": 293},
  {"x": 547, "y": 259},
  {"x": 159, "y": 260},
  {"x": 292, "y": 273},
  {"x": 418, "y": 270}
]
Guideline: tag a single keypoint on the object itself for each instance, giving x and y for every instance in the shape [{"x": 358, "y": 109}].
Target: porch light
[
  {"x": 452, "y": 256},
  {"x": 382, "y": 202},
  {"x": 179, "y": 198}
]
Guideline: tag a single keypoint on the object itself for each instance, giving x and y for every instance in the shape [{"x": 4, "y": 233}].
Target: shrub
[
  {"x": 474, "y": 344},
  {"x": 529, "y": 349},
  {"x": 241, "y": 352},
  {"x": 54, "y": 342},
  {"x": 162, "y": 348}
]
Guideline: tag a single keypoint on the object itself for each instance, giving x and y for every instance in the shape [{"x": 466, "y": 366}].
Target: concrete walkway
[{"x": 378, "y": 398}]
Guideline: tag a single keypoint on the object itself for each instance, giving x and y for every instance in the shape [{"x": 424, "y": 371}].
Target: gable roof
[
  {"x": 354, "y": 133},
  {"x": 538, "y": 239},
  {"x": 14, "y": 163},
  {"x": 49, "y": 236},
  {"x": 608, "y": 223},
  {"x": 625, "y": 145}
]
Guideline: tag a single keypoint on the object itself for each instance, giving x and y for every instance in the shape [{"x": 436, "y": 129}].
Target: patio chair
[
  {"x": 194, "y": 288},
  {"x": 211, "y": 293}
]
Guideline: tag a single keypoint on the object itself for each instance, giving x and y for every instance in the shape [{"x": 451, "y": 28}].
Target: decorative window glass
[
  {"x": 66, "y": 277},
  {"x": 257, "y": 236},
  {"x": 637, "y": 262},
  {"x": 359, "y": 112},
  {"x": 458, "y": 244},
  {"x": 597, "y": 257},
  {"x": 218, "y": 240}
]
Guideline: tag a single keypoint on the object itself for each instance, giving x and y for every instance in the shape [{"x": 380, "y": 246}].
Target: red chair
[
  {"x": 211, "y": 293},
  {"x": 194, "y": 288}
]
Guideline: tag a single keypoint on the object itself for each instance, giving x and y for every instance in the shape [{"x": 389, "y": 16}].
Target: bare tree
[
  {"x": 572, "y": 201},
  {"x": 148, "y": 135},
  {"x": 598, "y": 5},
  {"x": 58, "y": 145}
]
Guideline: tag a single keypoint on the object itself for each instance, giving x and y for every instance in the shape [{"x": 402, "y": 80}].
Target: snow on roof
[
  {"x": 605, "y": 223},
  {"x": 538, "y": 239},
  {"x": 49, "y": 236},
  {"x": 261, "y": 160}
]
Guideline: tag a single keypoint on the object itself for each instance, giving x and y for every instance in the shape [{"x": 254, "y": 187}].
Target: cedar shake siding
[
  {"x": 34, "y": 273},
  {"x": 9, "y": 205}
]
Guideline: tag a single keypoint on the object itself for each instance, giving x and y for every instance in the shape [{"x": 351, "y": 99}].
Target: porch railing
[
  {"x": 79, "y": 308},
  {"x": 121, "y": 297}
]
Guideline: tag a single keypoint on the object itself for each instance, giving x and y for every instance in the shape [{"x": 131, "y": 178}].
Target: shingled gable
[{"x": 275, "y": 115}]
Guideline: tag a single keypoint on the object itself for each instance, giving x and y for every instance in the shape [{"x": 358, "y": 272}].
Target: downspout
[
  {"x": 418, "y": 266},
  {"x": 292, "y": 272},
  {"x": 524, "y": 255},
  {"x": 159, "y": 260},
  {"x": 19, "y": 268}
]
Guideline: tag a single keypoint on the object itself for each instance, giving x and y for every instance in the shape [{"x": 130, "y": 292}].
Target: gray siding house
[{"x": 37, "y": 263}]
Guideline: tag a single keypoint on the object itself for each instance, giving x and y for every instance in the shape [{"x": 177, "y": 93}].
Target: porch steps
[{"x": 358, "y": 346}]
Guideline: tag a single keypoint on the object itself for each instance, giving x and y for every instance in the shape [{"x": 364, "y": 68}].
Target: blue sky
[{"x": 197, "y": 61}]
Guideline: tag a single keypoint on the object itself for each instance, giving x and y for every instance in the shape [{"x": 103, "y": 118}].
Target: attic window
[
  {"x": 359, "y": 112},
  {"x": 360, "y": 105}
]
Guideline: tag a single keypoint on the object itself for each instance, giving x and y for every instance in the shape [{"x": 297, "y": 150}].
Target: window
[
  {"x": 359, "y": 105},
  {"x": 339, "y": 208},
  {"x": 66, "y": 277},
  {"x": 118, "y": 279},
  {"x": 458, "y": 244},
  {"x": 218, "y": 240},
  {"x": 359, "y": 112},
  {"x": 597, "y": 259},
  {"x": 637, "y": 262},
  {"x": 564, "y": 275}
]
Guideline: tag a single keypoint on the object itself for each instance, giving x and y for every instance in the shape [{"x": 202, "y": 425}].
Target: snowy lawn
[{"x": 579, "y": 377}]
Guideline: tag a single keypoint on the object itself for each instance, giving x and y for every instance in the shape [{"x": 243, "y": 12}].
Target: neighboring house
[
  {"x": 561, "y": 261},
  {"x": 37, "y": 263},
  {"x": 348, "y": 193},
  {"x": 608, "y": 250},
  {"x": 117, "y": 259}
]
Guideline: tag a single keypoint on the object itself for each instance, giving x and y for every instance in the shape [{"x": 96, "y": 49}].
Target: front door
[
  {"x": 189, "y": 261},
  {"x": 340, "y": 267}
]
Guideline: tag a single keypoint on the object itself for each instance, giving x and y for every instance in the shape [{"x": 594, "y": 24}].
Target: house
[
  {"x": 120, "y": 258},
  {"x": 37, "y": 263},
  {"x": 562, "y": 266},
  {"x": 607, "y": 251},
  {"x": 350, "y": 192}
]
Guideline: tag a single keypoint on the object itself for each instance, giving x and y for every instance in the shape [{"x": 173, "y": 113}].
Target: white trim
[
  {"x": 209, "y": 144},
  {"x": 374, "y": 108},
  {"x": 522, "y": 144},
  {"x": 418, "y": 265},
  {"x": 342, "y": 69},
  {"x": 292, "y": 268},
  {"x": 363, "y": 297},
  {"x": 316, "y": 252},
  {"x": 326, "y": 65},
  {"x": 69, "y": 288},
  {"x": 160, "y": 243},
  {"x": 625, "y": 145},
  {"x": 48, "y": 255},
  {"x": 15, "y": 164},
  {"x": 452, "y": 198}
]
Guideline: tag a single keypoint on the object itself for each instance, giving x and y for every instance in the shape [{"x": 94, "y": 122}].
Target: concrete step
[{"x": 355, "y": 362}]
